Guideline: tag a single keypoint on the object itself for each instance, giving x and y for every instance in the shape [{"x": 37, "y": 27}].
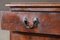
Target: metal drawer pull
[
  {"x": 35, "y": 22},
  {"x": 26, "y": 23}
]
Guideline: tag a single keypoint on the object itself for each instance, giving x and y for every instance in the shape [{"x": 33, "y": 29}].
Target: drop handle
[
  {"x": 35, "y": 22},
  {"x": 26, "y": 23}
]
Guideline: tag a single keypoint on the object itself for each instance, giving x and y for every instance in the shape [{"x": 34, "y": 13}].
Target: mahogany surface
[
  {"x": 49, "y": 22},
  {"x": 48, "y": 15}
]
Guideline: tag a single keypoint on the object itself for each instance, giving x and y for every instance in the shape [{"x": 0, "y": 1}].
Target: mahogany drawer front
[
  {"x": 32, "y": 21},
  {"x": 49, "y": 22}
]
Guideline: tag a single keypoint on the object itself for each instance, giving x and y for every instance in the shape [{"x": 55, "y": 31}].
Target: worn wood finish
[
  {"x": 49, "y": 22},
  {"x": 48, "y": 15},
  {"x": 40, "y": 4},
  {"x": 35, "y": 9},
  {"x": 24, "y": 36}
]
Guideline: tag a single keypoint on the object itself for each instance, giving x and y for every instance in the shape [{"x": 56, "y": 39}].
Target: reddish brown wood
[
  {"x": 48, "y": 15},
  {"x": 33, "y": 4},
  {"x": 49, "y": 22},
  {"x": 15, "y": 36}
]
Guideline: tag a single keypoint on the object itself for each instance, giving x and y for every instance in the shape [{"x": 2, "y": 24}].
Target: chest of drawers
[{"x": 33, "y": 21}]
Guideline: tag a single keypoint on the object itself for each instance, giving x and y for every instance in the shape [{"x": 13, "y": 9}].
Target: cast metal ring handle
[
  {"x": 35, "y": 22},
  {"x": 26, "y": 23}
]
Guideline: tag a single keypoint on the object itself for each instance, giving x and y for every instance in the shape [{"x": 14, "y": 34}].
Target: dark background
[{"x": 3, "y": 2}]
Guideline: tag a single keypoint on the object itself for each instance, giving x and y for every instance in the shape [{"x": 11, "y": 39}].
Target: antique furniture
[{"x": 33, "y": 21}]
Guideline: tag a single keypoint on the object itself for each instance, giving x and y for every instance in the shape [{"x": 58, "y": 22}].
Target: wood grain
[
  {"x": 34, "y": 4},
  {"x": 48, "y": 15},
  {"x": 16, "y": 36},
  {"x": 49, "y": 22}
]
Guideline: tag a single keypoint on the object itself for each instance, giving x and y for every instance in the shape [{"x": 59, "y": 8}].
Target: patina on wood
[{"x": 47, "y": 13}]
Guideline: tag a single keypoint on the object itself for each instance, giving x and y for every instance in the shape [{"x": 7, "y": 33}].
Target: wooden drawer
[
  {"x": 49, "y": 22},
  {"x": 32, "y": 21},
  {"x": 35, "y": 18}
]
